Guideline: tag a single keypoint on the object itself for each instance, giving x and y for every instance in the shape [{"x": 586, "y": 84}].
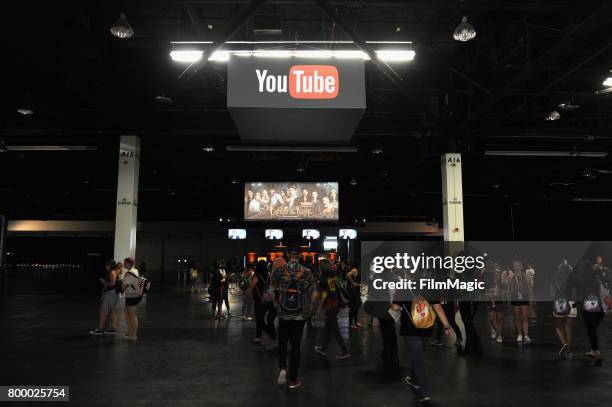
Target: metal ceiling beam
[
  {"x": 597, "y": 20},
  {"x": 245, "y": 12},
  {"x": 360, "y": 43}
]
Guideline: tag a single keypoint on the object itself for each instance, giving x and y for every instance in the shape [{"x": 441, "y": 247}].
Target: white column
[
  {"x": 452, "y": 197},
  {"x": 127, "y": 197}
]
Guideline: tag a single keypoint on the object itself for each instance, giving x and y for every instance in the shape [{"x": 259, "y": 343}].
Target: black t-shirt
[{"x": 407, "y": 328}]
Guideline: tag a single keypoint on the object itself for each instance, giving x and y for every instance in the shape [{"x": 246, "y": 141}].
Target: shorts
[
  {"x": 573, "y": 311},
  {"x": 132, "y": 301},
  {"x": 518, "y": 303},
  {"x": 110, "y": 301},
  {"x": 496, "y": 306}
]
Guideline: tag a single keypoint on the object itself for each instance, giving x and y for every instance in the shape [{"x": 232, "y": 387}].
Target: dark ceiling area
[{"x": 86, "y": 88}]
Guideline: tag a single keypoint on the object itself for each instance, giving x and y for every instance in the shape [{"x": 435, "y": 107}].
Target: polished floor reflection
[{"x": 183, "y": 358}]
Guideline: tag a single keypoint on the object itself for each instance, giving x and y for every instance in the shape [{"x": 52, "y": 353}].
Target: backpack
[
  {"x": 591, "y": 303},
  {"x": 422, "y": 313},
  {"x": 291, "y": 300},
  {"x": 342, "y": 291},
  {"x": 561, "y": 307}
]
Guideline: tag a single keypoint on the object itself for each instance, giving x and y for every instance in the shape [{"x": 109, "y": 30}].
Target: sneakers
[
  {"x": 256, "y": 341},
  {"x": 320, "y": 351},
  {"x": 569, "y": 355},
  {"x": 295, "y": 384},
  {"x": 519, "y": 338},
  {"x": 493, "y": 333},
  {"x": 590, "y": 354},
  {"x": 425, "y": 400},
  {"x": 527, "y": 340},
  {"x": 354, "y": 326},
  {"x": 111, "y": 332},
  {"x": 409, "y": 382},
  {"x": 358, "y": 325},
  {"x": 436, "y": 342},
  {"x": 343, "y": 356},
  {"x": 131, "y": 337},
  {"x": 499, "y": 339},
  {"x": 96, "y": 332},
  {"x": 562, "y": 351},
  {"x": 282, "y": 377}
]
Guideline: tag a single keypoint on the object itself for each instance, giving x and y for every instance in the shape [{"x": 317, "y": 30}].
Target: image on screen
[
  {"x": 274, "y": 234},
  {"x": 347, "y": 234},
  {"x": 330, "y": 243},
  {"x": 311, "y": 234},
  {"x": 291, "y": 201},
  {"x": 236, "y": 234}
]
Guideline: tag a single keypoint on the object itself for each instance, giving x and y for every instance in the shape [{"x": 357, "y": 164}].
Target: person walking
[
  {"x": 520, "y": 294},
  {"x": 247, "y": 297},
  {"x": 293, "y": 288},
  {"x": 265, "y": 312},
  {"x": 354, "y": 279},
  {"x": 331, "y": 302}
]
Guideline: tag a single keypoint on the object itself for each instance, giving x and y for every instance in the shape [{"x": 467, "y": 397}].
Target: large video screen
[{"x": 291, "y": 201}]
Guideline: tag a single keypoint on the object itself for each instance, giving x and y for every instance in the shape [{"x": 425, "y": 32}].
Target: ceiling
[{"x": 87, "y": 87}]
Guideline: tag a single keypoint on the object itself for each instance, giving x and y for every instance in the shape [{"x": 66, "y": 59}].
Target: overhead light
[
  {"x": 515, "y": 153},
  {"x": 186, "y": 55},
  {"x": 3, "y": 148},
  {"x": 608, "y": 82},
  {"x": 220, "y": 56},
  {"x": 568, "y": 106},
  {"x": 552, "y": 116},
  {"x": 388, "y": 55},
  {"x": 234, "y": 180},
  {"x": 464, "y": 31},
  {"x": 301, "y": 167},
  {"x": 395, "y": 55},
  {"x": 52, "y": 148},
  {"x": 353, "y": 182},
  {"x": 163, "y": 99},
  {"x": 587, "y": 173},
  {"x": 592, "y": 200},
  {"x": 209, "y": 148},
  {"x": 26, "y": 111},
  {"x": 300, "y": 149},
  {"x": 121, "y": 28},
  {"x": 377, "y": 149},
  {"x": 210, "y": 26}
]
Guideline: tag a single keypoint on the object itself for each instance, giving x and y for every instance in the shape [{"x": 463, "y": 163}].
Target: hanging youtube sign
[{"x": 295, "y": 99}]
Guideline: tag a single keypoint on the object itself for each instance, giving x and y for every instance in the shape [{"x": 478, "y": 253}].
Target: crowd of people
[{"x": 289, "y": 294}]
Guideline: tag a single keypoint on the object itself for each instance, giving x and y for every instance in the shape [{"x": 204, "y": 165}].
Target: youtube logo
[{"x": 303, "y": 82}]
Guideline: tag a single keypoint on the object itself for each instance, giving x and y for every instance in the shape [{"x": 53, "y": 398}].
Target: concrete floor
[{"x": 183, "y": 358}]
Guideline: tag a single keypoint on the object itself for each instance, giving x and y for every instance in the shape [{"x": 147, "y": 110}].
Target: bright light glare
[
  {"x": 220, "y": 56},
  {"x": 395, "y": 55},
  {"x": 188, "y": 56},
  {"x": 384, "y": 55},
  {"x": 273, "y": 53},
  {"x": 608, "y": 82}
]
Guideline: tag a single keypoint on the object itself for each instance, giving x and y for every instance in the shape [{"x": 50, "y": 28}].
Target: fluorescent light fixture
[
  {"x": 518, "y": 153},
  {"x": 395, "y": 55},
  {"x": 383, "y": 55},
  {"x": 220, "y": 56},
  {"x": 186, "y": 56},
  {"x": 608, "y": 82},
  {"x": 273, "y": 53},
  {"x": 592, "y": 200},
  {"x": 300, "y": 149},
  {"x": 52, "y": 148}
]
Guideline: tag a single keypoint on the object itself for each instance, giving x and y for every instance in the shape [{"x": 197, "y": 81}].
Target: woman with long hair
[
  {"x": 109, "y": 301},
  {"x": 520, "y": 294}
]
